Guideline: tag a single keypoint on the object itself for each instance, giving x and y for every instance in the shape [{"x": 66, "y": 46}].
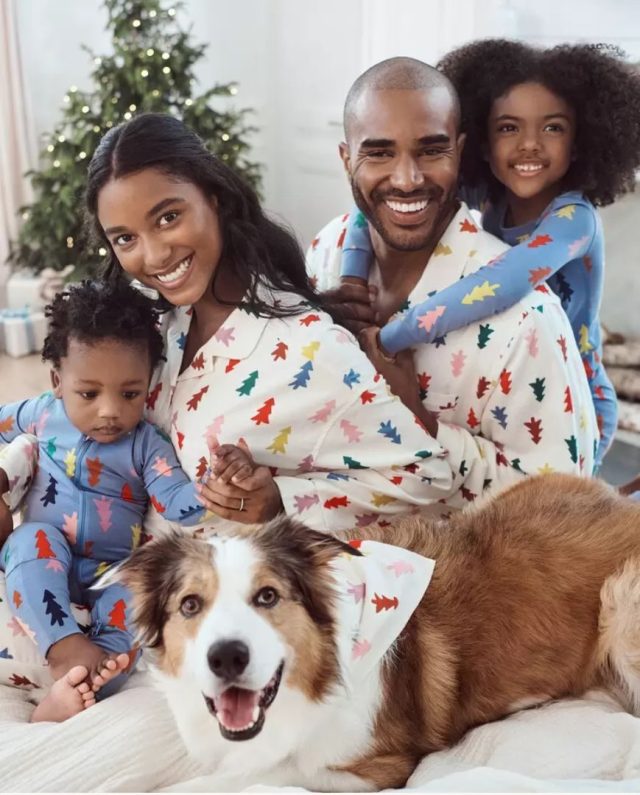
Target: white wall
[{"x": 294, "y": 61}]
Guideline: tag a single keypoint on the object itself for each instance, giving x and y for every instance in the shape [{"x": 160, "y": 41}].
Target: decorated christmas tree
[{"x": 151, "y": 69}]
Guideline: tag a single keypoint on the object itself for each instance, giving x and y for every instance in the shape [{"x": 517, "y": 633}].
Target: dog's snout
[{"x": 228, "y": 658}]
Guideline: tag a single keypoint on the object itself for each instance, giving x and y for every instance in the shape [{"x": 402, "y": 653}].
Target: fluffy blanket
[{"x": 128, "y": 743}]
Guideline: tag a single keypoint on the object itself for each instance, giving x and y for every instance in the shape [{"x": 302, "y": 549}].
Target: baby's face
[{"x": 103, "y": 386}]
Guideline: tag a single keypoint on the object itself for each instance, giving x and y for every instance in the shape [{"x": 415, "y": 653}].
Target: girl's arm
[{"x": 564, "y": 234}]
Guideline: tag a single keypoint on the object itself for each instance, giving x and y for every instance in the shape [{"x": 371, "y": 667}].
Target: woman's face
[{"x": 164, "y": 232}]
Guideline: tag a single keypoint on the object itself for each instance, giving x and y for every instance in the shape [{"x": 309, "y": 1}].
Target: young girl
[{"x": 549, "y": 134}]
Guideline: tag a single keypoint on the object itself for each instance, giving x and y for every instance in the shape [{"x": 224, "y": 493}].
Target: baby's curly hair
[
  {"x": 93, "y": 311},
  {"x": 594, "y": 79}
]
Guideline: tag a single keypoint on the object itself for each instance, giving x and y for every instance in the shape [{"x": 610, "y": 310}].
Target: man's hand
[
  {"x": 239, "y": 489},
  {"x": 352, "y": 303},
  {"x": 400, "y": 374}
]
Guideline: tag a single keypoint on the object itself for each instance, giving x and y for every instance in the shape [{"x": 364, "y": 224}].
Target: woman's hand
[
  {"x": 400, "y": 374},
  {"x": 6, "y": 522},
  {"x": 238, "y": 489}
]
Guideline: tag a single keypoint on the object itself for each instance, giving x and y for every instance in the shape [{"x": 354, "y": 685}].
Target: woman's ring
[{"x": 241, "y": 508}]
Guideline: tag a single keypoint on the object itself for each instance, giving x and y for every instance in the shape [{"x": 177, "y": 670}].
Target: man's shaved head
[{"x": 402, "y": 73}]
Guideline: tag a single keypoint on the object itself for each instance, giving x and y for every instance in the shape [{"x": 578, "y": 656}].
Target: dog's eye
[
  {"x": 190, "y": 606},
  {"x": 266, "y": 597}
]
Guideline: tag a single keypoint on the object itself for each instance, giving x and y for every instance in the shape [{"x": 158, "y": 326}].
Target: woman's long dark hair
[{"x": 258, "y": 250}]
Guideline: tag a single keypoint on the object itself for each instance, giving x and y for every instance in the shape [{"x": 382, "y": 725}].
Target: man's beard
[{"x": 398, "y": 240}]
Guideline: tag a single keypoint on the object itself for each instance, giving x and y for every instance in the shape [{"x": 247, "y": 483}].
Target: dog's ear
[{"x": 151, "y": 573}]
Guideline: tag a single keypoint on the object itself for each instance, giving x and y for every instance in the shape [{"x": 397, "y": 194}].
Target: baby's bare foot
[
  {"x": 110, "y": 667},
  {"x": 67, "y": 697}
]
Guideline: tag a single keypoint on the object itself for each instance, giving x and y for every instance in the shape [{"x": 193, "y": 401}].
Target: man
[{"x": 506, "y": 397}]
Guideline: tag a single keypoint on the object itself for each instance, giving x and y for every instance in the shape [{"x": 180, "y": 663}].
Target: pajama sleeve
[
  {"x": 353, "y": 432},
  {"x": 564, "y": 234},
  {"x": 172, "y": 494},
  {"x": 357, "y": 252},
  {"x": 19, "y": 459}
]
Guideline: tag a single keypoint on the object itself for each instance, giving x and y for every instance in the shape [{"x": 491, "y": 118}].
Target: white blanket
[{"x": 128, "y": 743}]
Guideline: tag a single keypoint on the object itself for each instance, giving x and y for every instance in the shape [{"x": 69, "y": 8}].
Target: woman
[{"x": 250, "y": 357}]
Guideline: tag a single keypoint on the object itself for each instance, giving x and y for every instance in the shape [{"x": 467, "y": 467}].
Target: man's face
[{"x": 402, "y": 158}]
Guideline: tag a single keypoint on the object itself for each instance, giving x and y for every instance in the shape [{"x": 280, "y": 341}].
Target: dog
[{"x": 535, "y": 595}]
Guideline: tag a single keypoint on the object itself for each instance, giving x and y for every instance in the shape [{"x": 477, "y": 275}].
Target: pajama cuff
[{"x": 19, "y": 460}]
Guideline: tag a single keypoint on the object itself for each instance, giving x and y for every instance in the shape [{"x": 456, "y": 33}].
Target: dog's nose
[{"x": 228, "y": 658}]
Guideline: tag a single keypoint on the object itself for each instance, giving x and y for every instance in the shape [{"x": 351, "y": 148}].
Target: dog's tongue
[{"x": 236, "y": 706}]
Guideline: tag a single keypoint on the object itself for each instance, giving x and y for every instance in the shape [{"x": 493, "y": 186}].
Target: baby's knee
[{"x": 35, "y": 541}]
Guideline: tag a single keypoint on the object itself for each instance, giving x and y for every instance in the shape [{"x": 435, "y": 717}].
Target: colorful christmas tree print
[
  {"x": 472, "y": 420},
  {"x": 309, "y": 351},
  {"x": 566, "y": 212},
  {"x": 568, "y": 402},
  {"x": 161, "y": 466},
  {"x": 279, "y": 444},
  {"x": 584, "y": 345},
  {"x": 118, "y": 614},
  {"x": 351, "y": 378},
  {"x": 126, "y": 493},
  {"x": 458, "y": 360},
  {"x": 351, "y": 432},
  {"x": 103, "y": 507},
  {"x": 532, "y": 342},
  {"x": 323, "y": 414},
  {"x": 304, "y": 502},
  {"x": 468, "y": 226},
  {"x": 534, "y": 426},
  {"x": 351, "y": 463},
  {"x": 53, "y": 609},
  {"x": 301, "y": 378},
  {"x": 51, "y": 446},
  {"x": 378, "y": 499},
  {"x": 5, "y": 654},
  {"x": 538, "y": 387},
  {"x": 578, "y": 245},
  {"x": 483, "y": 386},
  {"x": 136, "y": 531},
  {"x": 94, "y": 465},
  {"x": 367, "y": 397},
  {"x": 160, "y": 508},
  {"x": 16, "y": 599},
  {"x": 22, "y": 681},
  {"x": 337, "y": 502},
  {"x": 225, "y": 335},
  {"x": 480, "y": 292},
  {"x": 248, "y": 384},
  {"x": 261, "y": 417},
  {"x": 563, "y": 289},
  {"x": 43, "y": 546},
  {"x": 231, "y": 364},
  {"x": 539, "y": 241},
  {"x": 442, "y": 250},
  {"x": 430, "y": 318},
  {"x": 198, "y": 362},
  {"x": 360, "y": 648},
  {"x": 500, "y": 414},
  {"x": 307, "y": 320},
  {"x": 70, "y": 462},
  {"x": 401, "y": 567},
  {"x": 358, "y": 591},
  {"x": 484, "y": 333},
  {"x": 6, "y": 425},
  {"x": 505, "y": 382},
  {"x": 572, "y": 444},
  {"x": 194, "y": 400},
  {"x": 537, "y": 275},
  {"x": 153, "y": 396},
  {"x": 390, "y": 432},
  {"x": 203, "y": 466},
  {"x": 51, "y": 492},
  {"x": 563, "y": 346},
  {"x": 383, "y": 602},
  {"x": 280, "y": 351}
]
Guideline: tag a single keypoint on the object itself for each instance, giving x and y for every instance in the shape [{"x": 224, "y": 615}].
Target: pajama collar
[{"x": 377, "y": 594}]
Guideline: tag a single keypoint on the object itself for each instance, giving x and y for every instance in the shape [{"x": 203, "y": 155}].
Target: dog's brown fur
[{"x": 511, "y": 614}]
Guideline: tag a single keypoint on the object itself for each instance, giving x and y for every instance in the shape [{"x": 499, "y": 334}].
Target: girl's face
[
  {"x": 531, "y": 133},
  {"x": 164, "y": 232}
]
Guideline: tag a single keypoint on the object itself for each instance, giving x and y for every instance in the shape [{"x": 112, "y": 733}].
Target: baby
[{"x": 100, "y": 464}]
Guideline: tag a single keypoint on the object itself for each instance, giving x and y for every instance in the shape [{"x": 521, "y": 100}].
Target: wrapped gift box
[
  {"x": 22, "y": 331},
  {"x": 29, "y": 290}
]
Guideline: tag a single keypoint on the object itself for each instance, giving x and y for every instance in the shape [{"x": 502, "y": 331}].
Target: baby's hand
[
  {"x": 232, "y": 463},
  {"x": 6, "y": 522}
]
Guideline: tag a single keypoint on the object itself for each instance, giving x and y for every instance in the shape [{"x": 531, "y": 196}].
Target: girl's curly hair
[
  {"x": 93, "y": 311},
  {"x": 602, "y": 89}
]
